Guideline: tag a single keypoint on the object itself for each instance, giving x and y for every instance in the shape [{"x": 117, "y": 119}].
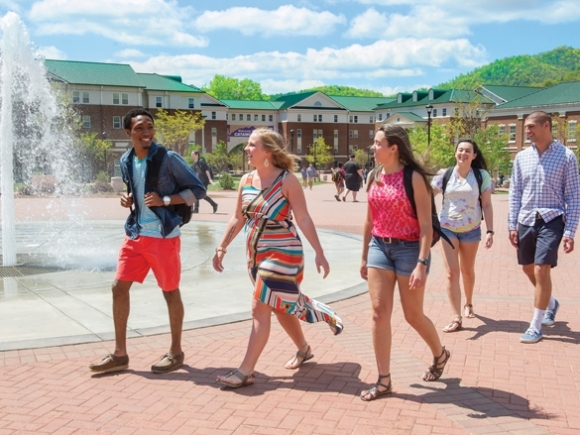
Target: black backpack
[
  {"x": 183, "y": 210},
  {"x": 408, "y": 182},
  {"x": 478, "y": 177}
]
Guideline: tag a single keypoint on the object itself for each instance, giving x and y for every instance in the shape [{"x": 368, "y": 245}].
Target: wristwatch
[
  {"x": 492, "y": 232},
  {"x": 422, "y": 261},
  {"x": 166, "y": 200}
]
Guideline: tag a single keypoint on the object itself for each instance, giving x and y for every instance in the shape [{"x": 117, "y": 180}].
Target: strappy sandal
[
  {"x": 455, "y": 325},
  {"x": 299, "y": 359},
  {"x": 236, "y": 375},
  {"x": 468, "y": 311},
  {"x": 435, "y": 371},
  {"x": 374, "y": 392}
]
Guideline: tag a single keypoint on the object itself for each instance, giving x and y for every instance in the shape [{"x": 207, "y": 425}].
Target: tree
[
  {"x": 493, "y": 146},
  {"x": 229, "y": 88},
  {"x": 319, "y": 153},
  {"x": 361, "y": 157},
  {"x": 219, "y": 158},
  {"x": 92, "y": 153},
  {"x": 467, "y": 116},
  {"x": 441, "y": 153},
  {"x": 175, "y": 130}
]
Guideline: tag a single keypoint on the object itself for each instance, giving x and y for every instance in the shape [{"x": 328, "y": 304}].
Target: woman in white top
[{"x": 461, "y": 214}]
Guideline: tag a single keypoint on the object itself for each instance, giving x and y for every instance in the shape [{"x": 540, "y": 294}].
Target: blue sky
[{"x": 385, "y": 45}]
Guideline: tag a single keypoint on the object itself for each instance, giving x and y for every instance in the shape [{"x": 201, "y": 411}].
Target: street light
[
  {"x": 429, "y": 108},
  {"x": 291, "y": 141}
]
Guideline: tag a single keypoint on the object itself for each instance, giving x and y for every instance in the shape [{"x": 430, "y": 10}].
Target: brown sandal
[
  {"x": 468, "y": 311},
  {"x": 300, "y": 358},
  {"x": 435, "y": 371},
  {"x": 374, "y": 392},
  {"x": 240, "y": 380},
  {"x": 455, "y": 325}
]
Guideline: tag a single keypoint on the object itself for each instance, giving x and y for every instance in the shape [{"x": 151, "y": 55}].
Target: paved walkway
[{"x": 493, "y": 384}]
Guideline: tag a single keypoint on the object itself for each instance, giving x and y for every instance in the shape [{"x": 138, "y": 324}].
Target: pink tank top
[{"x": 391, "y": 210}]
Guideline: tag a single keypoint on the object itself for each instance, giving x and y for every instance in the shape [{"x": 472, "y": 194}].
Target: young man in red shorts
[{"x": 152, "y": 239}]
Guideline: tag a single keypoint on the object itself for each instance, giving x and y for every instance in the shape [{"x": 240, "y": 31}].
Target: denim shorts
[
  {"x": 538, "y": 244},
  {"x": 400, "y": 257},
  {"x": 473, "y": 236}
]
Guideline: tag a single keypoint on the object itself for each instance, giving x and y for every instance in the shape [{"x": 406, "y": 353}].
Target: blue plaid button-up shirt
[{"x": 547, "y": 184}]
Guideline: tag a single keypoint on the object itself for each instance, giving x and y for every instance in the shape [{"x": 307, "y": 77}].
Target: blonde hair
[{"x": 274, "y": 143}]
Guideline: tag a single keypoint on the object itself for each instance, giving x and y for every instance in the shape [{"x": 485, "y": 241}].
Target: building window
[
  {"x": 372, "y": 119},
  {"x": 316, "y": 134},
  {"x": 501, "y": 129},
  {"x": 299, "y": 140},
  {"x": 158, "y": 102},
  {"x": 352, "y": 149},
  {"x": 116, "y": 122},
  {"x": 356, "y": 119},
  {"x": 388, "y": 116},
  {"x": 120, "y": 98},
  {"x": 190, "y": 103},
  {"x": 335, "y": 118},
  {"x": 512, "y": 133},
  {"x": 434, "y": 113},
  {"x": 248, "y": 117},
  {"x": 371, "y": 134},
  {"x": 350, "y": 134},
  {"x": 263, "y": 118},
  {"x": 213, "y": 138},
  {"x": 86, "y": 121},
  {"x": 299, "y": 132},
  {"x": 271, "y": 118},
  {"x": 116, "y": 99},
  {"x": 572, "y": 125},
  {"x": 335, "y": 147},
  {"x": 85, "y": 98},
  {"x": 233, "y": 116},
  {"x": 213, "y": 132},
  {"x": 319, "y": 118},
  {"x": 213, "y": 115},
  {"x": 443, "y": 112},
  {"x": 380, "y": 116},
  {"x": 76, "y": 97},
  {"x": 255, "y": 116},
  {"x": 299, "y": 117}
]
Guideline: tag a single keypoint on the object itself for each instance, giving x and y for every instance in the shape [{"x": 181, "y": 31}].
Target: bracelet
[
  {"x": 492, "y": 232},
  {"x": 222, "y": 249},
  {"x": 423, "y": 261}
]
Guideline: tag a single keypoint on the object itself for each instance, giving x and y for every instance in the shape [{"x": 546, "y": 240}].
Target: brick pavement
[{"x": 492, "y": 385}]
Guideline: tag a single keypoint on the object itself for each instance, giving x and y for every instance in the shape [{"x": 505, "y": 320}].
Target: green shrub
[
  {"x": 103, "y": 177},
  {"x": 22, "y": 189},
  {"x": 226, "y": 181}
]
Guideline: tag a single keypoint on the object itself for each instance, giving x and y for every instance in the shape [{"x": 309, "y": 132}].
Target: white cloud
[
  {"x": 286, "y": 20},
  {"x": 129, "y": 53},
  {"x": 489, "y": 11},
  {"x": 50, "y": 52},
  {"x": 381, "y": 60},
  {"x": 132, "y": 22}
]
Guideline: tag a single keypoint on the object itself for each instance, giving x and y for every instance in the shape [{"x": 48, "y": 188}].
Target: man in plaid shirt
[{"x": 544, "y": 207}]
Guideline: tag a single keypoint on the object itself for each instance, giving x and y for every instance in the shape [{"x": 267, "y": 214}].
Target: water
[{"x": 36, "y": 129}]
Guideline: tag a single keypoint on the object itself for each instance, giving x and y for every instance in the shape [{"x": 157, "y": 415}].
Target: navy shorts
[
  {"x": 400, "y": 257},
  {"x": 539, "y": 243}
]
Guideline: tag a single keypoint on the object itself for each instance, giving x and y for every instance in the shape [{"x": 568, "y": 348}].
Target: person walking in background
[
  {"x": 152, "y": 239},
  {"x": 544, "y": 200},
  {"x": 396, "y": 243},
  {"x": 267, "y": 197},
  {"x": 203, "y": 172},
  {"x": 311, "y": 174},
  {"x": 465, "y": 202},
  {"x": 338, "y": 179},
  {"x": 304, "y": 175},
  {"x": 353, "y": 178}
]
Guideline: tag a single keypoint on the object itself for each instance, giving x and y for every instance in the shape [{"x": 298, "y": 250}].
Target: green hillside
[
  {"x": 545, "y": 69},
  {"x": 337, "y": 91}
]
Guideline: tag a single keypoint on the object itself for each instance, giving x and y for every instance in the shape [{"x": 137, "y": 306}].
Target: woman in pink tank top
[{"x": 396, "y": 244}]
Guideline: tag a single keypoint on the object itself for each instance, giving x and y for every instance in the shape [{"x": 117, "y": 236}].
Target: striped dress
[{"x": 275, "y": 255}]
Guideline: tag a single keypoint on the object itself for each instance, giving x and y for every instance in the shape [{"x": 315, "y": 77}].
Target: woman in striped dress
[{"x": 267, "y": 198}]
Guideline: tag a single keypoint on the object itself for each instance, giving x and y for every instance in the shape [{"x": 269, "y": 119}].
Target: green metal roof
[
  {"x": 409, "y": 115},
  {"x": 361, "y": 104},
  {"x": 156, "y": 82},
  {"x": 509, "y": 93},
  {"x": 448, "y": 96},
  {"x": 291, "y": 99},
  {"x": 250, "y": 105},
  {"x": 93, "y": 73},
  {"x": 562, "y": 93}
]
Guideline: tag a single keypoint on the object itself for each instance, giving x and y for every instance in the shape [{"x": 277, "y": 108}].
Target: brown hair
[
  {"x": 542, "y": 117},
  {"x": 397, "y": 135},
  {"x": 274, "y": 143}
]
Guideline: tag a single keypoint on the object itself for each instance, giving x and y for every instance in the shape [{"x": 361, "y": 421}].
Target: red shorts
[{"x": 139, "y": 256}]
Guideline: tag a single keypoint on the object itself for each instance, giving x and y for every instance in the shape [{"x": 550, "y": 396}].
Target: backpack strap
[{"x": 445, "y": 180}]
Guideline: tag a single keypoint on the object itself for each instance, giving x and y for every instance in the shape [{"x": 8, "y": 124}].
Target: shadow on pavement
[{"x": 559, "y": 332}]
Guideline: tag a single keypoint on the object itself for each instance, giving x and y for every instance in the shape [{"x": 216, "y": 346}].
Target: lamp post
[
  {"x": 291, "y": 141},
  {"x": 105, "y": 138},
  {"x": 429, "y": 108}
]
